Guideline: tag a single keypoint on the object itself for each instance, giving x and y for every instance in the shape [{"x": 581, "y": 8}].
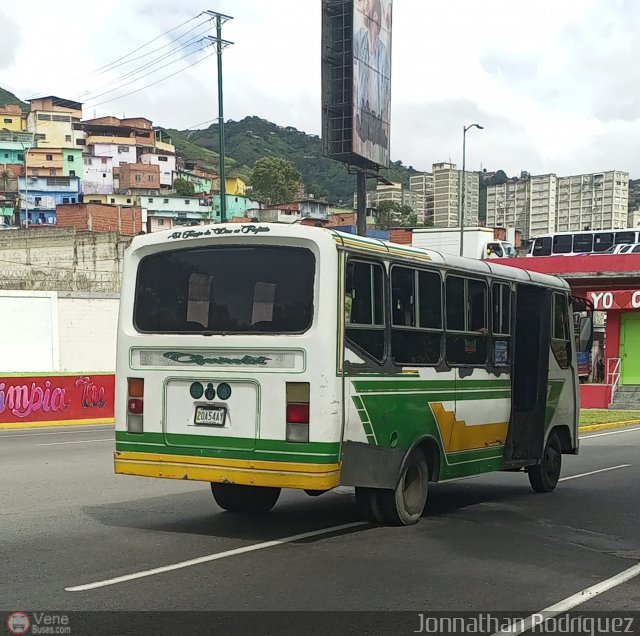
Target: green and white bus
[{"x": 258, "y": 357}]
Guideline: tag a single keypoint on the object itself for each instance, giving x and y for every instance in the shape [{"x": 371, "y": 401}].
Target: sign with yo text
[
  {"x": 619, "y": 299},
  {"x": 54, "y": 399}
]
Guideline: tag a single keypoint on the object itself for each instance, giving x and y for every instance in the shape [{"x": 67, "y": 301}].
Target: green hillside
[
  {"x": 251, "y": 138},
  {"x": 7, "y": 97}
]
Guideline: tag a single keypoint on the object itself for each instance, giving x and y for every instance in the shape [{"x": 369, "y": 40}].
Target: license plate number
[{"x": 210, "y": 415}]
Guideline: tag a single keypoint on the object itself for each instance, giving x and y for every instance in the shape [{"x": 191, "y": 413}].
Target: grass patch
[{"x": 602, "y": 416}]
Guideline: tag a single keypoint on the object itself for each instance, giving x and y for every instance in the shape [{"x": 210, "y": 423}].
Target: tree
[
  {"x": 275, "y": 180},
  {"x": 184, "y": 187},
  {"x": 394, "y": 214}
]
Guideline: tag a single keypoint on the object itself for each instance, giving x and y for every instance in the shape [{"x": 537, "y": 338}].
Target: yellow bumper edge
[{"x": 229, "y": 471}]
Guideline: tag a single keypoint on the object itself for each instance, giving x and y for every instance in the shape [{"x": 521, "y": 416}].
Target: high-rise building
[
  {"x": 423, "y": 184},
  {"x": 527, "y": 204},
  {"x": 597, "y": 201},
  {"x": 397, "y": 193},
  {"x": 447, "y": 185}
]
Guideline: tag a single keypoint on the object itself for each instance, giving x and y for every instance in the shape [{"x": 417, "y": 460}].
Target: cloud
[{"x": 10, "y": 38}]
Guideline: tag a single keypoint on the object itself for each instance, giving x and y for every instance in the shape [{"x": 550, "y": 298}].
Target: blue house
[{"x": 40, "y": 195}]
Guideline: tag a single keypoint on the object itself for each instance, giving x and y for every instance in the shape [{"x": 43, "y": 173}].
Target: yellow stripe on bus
[{"x": 235, "y": 471}]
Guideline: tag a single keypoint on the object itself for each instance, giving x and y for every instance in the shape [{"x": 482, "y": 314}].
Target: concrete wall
[
  {"x": 61, "y": 259},
  {"x": 57, "y": 332}
]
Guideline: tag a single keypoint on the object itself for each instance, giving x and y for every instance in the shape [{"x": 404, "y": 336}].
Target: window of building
[
  {"x": 20, "y": 156},
  {"x": 123, "y": 149},
  {"x": 137, "y": 177},
  {"x": 67, "y": 137},
  {"x": 113, "y": 200},
  {"x": 466, "y": 312},
  {"x": 66, "y": 118},
  {"x": 160, "y": 221},
  {"x": 87, "y": 161},
  {"x": 8, "y": 120},
  {"x": 104, "y": 175},
  {"x": 44, "y": 117},
  {"x": 364, "y": 307},
  {"x": 52, "y": 172},
  {"x": 150, "y": 200},
  {"x": 122, "y": 163},
  {"x": 416, "y": 316},
  {"x": 72, "y": 173},
  {"x": 561, "y": 333},
  {"x": 162, "y": 158},
  {"x": 39, "y": 136},
  {"x": 187, "y": 202},
  {"x": 6, "y": 155},
  {"x": 49, "y": 157},
  {"x": 70, "y": 158},
  {"x": 35, "y": 172},
  {"x": 103, "y": 161},
  {"x": 151, "y": 177},
  {"x": 65, "y": 199},
  {"x": 128, "y": 200},
  {"x": 166, "y": 201},
  {"x": 81, "y": 142}
]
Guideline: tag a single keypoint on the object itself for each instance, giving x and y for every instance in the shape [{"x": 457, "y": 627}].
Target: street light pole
[
  {"x": 25, "y": 153},
  {"x": 464, "y": 180}
]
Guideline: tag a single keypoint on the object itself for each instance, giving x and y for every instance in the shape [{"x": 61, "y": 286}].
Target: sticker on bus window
[
  {"x": 470, "y": 345},
  {"x": 501, "y": 352}
]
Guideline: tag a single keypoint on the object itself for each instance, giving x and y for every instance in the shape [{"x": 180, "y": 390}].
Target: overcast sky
[{"x": 554, "y": 82}]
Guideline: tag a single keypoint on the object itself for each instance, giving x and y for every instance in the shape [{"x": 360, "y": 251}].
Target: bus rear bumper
[{"x": 228, "y": 471}]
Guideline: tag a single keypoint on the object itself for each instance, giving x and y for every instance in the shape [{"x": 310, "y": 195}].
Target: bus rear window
[{"x": 226, "y": 290}]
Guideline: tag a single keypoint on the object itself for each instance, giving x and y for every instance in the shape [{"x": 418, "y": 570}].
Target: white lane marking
[
  {"x": 624, "y": 430},
  {"x": 58, "y": 432},
  {"x": 81, "y": 441},
  {"x": 593, "y": 472},
  {"x": 213, "y": 557},
  {"x": 524, "y": 625}
]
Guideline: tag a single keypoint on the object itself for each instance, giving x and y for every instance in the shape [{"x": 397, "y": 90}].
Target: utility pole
[
  {"x": 220, "y": 44},
  {"x": 361, "y": 194}
]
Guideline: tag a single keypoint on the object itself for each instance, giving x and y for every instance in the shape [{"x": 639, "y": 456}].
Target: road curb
[
  {"x": 15, "y": 426},
  {"x": 599, "y": 427}
]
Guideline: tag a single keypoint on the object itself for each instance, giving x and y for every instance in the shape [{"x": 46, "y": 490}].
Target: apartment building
[
  {"x": 447, "y": 185},
  {"x": 397, "y": 193},
  {"x": 597, "y": 201},
  {"x": 528, "y": 204},
  {"x": 423, "y": 184}
]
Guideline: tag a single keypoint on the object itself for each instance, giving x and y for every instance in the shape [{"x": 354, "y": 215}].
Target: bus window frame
[
  {"x": 496, "y": 335},
  {"x": 417, "y": 270},
  {"x": 559, "y": 345},
  {"x": 384, "y": 327}
]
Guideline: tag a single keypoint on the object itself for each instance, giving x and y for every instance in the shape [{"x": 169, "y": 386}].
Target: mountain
[
  {"x": 248, "y": 140},
  {"x": 7, "y": 97}
]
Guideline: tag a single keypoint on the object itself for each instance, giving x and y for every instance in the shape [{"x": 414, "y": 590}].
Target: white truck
[{"x": 479, "y": 242}]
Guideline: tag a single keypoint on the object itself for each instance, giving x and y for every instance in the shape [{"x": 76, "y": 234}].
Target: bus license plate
[{"x": 210, "y": 415}]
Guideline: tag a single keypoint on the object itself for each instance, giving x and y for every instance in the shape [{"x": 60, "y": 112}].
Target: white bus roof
[{"x": 201, "y": 234}]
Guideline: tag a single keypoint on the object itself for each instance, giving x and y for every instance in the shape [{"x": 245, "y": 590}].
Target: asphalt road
[{"x": 486, "y": 543}]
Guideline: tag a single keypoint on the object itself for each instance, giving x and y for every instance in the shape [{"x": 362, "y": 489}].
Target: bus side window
[
  {"x": 416, "y": 327},
  {"x": 542, "y": 246},
  {"x": 501, "y": 323},
  {"x": 467, "y": 328},
  {"x": 364, "y": 307},
  {"x": 561, "y": 333}
]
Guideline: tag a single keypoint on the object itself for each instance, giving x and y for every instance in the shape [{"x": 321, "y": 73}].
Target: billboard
[
  {"x": 356, "y": 81},
  {"x": 372, "y": 79}
]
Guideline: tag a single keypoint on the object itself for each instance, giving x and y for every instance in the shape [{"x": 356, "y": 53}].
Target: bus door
[{"x": 530, "y": 374}]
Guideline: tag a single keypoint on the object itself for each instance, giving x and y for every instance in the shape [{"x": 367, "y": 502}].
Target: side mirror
[{"x": 585, "y": 333}]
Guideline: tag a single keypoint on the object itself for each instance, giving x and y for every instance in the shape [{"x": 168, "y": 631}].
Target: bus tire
[
  {"x": 544, "y": 476},
  {"x": 251, "y": 499},
  {"x": 404, "y": 505},
  {"x": 369, "y": 504}
]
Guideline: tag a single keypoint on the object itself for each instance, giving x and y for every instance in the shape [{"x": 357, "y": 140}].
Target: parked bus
[
  {"x": 586, "y": 242},
  {"x": 258, "y": 357}
]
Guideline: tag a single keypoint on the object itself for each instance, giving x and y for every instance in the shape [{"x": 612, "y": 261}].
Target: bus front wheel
[
  {"x": 544, "y": 476},
  {"x": 404, "y": 505},
  {"x": 252, "y": 499}
]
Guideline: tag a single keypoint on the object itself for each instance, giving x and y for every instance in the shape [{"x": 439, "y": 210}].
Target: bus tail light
[
  {"x": 298, "y": 412},
  {"x": 135, "y": 404}
]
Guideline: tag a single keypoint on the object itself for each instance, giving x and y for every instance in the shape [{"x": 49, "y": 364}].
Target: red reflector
[
  {"x": 298, "y": 413},
  {"x": 135, "y": 406}
]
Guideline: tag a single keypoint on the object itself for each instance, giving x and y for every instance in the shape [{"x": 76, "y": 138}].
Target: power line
[
  {"x": 133, "y": 81},
  {"x": 88, "y": 94},
  {"x": 113, "y": 99}
]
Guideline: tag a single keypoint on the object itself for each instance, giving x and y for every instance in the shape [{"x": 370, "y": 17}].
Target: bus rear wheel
[
  {"x": 544, "y": 476},
  {"x": 404, "y": 505},
  {"x": 251, "y": 499}
]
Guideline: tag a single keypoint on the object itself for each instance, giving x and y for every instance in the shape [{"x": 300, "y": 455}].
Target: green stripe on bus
[
  {"x": 364, "y": 418},
  {"x": 367, "y": 386},
  {"x": 229, "y": 447}
]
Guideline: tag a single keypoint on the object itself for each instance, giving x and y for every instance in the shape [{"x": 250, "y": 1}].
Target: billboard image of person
[{"x": 372, "y": 79}]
